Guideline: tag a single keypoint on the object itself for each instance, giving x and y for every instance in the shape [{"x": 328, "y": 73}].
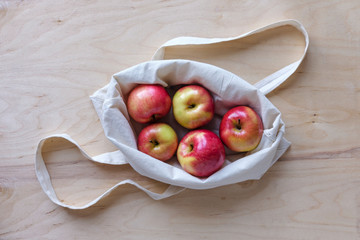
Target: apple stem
[
  {"x": 154, "y": 142},
  {"x": 238, "y": 126},
  {"x": 153, "y": 118},
  {"x": 191, "y": 105},
  {"x": 191, "y": 147}
]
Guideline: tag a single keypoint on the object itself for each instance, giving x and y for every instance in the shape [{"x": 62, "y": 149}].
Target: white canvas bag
[{"x": 228, "y": 90}]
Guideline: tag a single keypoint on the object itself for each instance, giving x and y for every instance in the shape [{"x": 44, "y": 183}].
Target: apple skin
[
  {"x": 241, "y": 129},
  {"x": 193, "y": 106},
  {"x": 148, "y": 102},
  {"x": 158, "y": 140},
  {"x": 201, "y": 153}
]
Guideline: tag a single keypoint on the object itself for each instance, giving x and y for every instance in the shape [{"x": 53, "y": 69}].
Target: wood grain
[{"x": 53, "y": 55}]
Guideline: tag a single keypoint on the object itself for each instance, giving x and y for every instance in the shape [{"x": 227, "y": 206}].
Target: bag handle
[
  {"x": 113, "y": 158},
  {"x": 265, "y": 85}
]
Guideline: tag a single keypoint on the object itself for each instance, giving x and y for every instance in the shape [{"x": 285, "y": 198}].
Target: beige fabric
[{"x": 228, "y": 91}]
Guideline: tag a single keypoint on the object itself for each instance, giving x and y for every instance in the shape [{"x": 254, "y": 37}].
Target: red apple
[
  {"x": 241, "y": 129},
  {"x": 193, "y": 106},
  {"x": 201, "y": 153},
  {"x": 158, "y": 140},
  {"x": 148, "y": 102}
]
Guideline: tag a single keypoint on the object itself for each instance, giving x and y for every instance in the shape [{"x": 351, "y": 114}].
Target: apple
[
  {"x": 193, "y": 106},
  {"x": 158, "y": 140},
  {"x": 201, "y": 153},
  {"x": 241, "y": 129},
  {"x": 148, "y": 102}
]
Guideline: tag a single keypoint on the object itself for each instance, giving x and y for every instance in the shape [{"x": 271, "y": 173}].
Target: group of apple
[{"x": 200, "y": 152}]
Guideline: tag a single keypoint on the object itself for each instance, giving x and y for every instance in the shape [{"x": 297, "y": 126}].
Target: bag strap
[
  {"x": 265, "y": 85},
  {"x": 113, "y": 158}
]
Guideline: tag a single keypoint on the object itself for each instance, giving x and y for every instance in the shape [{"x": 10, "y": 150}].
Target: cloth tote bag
[{"x": 228, "y": 91}]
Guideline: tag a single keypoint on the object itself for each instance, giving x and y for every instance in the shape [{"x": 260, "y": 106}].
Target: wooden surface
[{"x": 54, "y": 54}]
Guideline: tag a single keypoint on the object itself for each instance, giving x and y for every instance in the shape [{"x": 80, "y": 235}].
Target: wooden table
[{"x": 54, "y": 54}]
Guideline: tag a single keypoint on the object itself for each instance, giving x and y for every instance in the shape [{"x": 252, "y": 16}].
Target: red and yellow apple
[
  {"x": 148, "y": 102},
  {"x": 201, "y": 153},
  {"x": 241, "y": 129},
  {"x": 193, "y": 106},
  {"x": 158, "y": 140}
]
